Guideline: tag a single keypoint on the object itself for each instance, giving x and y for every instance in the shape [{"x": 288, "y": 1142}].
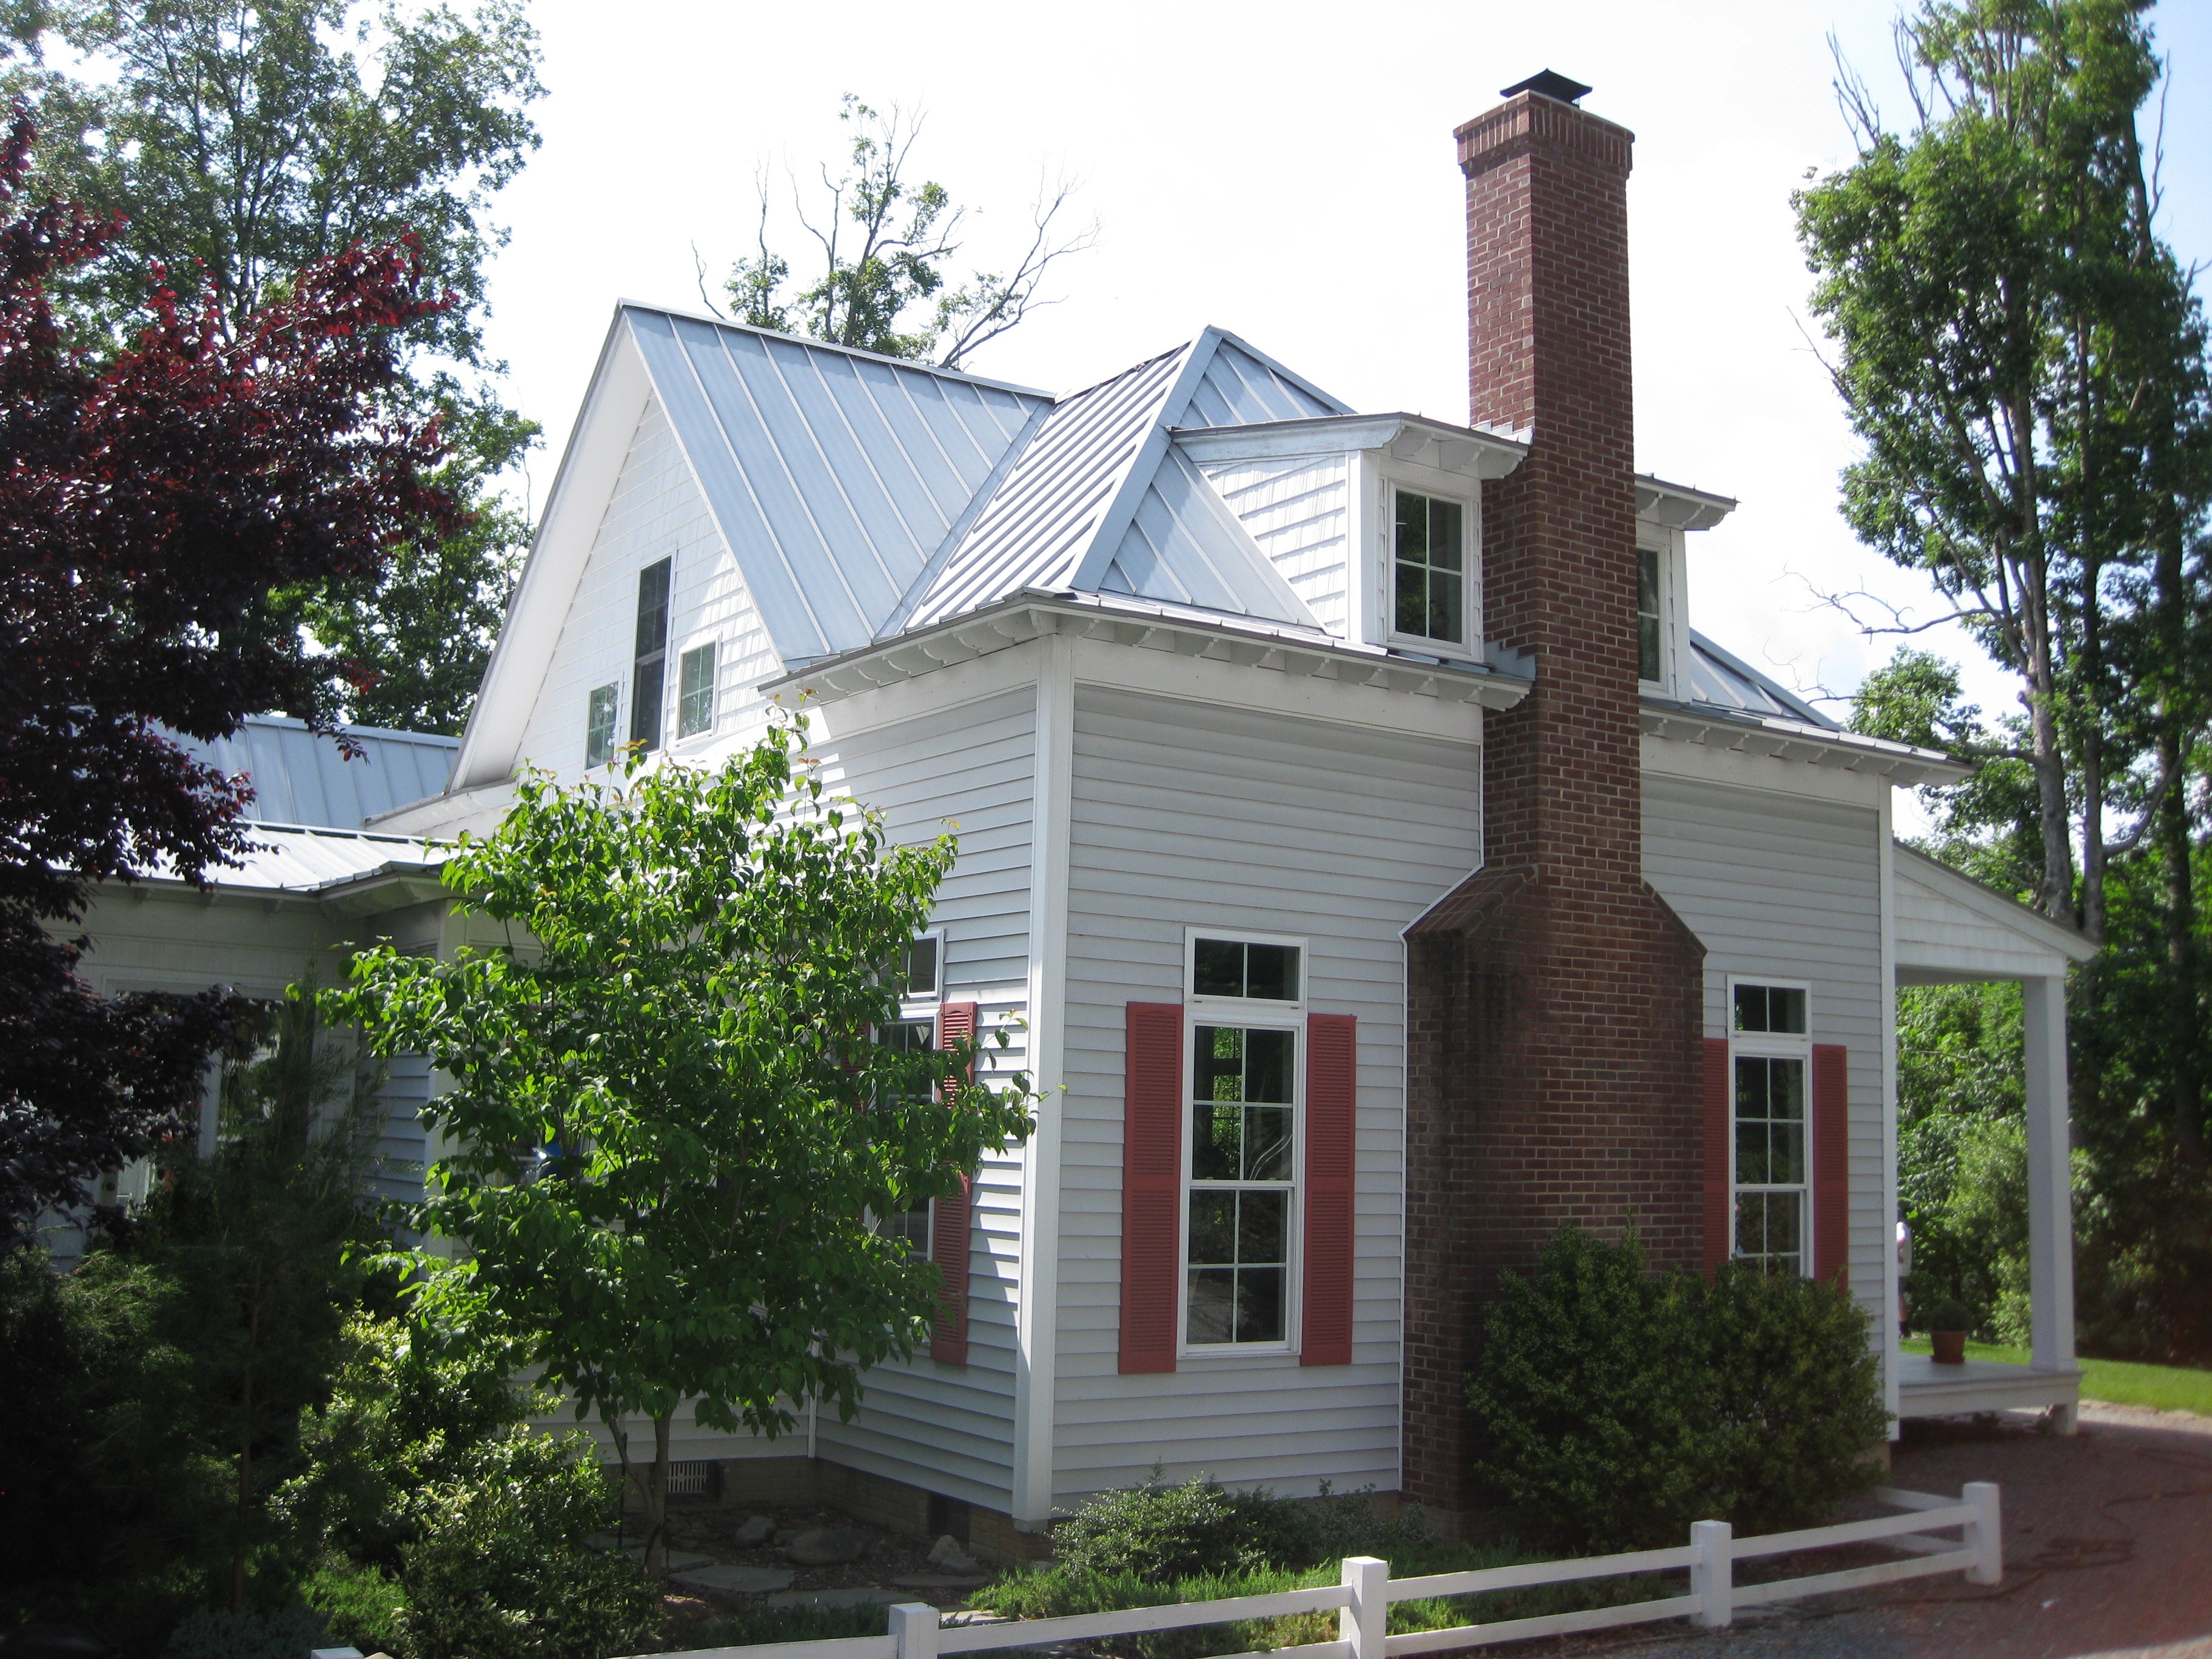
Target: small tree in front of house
[{"x": 669, "y": 1127}]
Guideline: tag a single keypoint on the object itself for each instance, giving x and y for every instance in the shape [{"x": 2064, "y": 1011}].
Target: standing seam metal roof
[
  {"x": 833, "y": 475},
  {"x": 302, "y": 778}
]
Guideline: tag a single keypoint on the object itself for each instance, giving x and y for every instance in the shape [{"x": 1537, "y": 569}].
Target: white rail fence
[{"x": 1362, "y": 1599}]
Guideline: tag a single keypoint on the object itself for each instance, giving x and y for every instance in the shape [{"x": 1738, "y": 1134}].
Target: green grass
[{"x": 2115, "y": 1381}]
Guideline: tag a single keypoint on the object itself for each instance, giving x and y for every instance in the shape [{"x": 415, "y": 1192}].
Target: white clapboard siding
[
  {"x": 1299, "y": 513},
  {"x": 950, "y": 1428},
  {"x": 1789, "y": 887},
  {"x": 1189, "y": 814},
  {"x": 401, "y": 1145},
  {"x": 656, "y": 512}
]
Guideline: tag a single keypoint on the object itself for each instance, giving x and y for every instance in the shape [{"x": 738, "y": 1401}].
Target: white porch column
[{"x": 2050, "y": 1197}]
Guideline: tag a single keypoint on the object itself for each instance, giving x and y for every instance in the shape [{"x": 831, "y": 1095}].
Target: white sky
[{"x": 1287, "y": 171}]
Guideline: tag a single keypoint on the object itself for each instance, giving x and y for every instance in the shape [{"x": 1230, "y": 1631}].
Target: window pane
[
  {"x": 1444, "y": 543},
  {"x": 695, "y": 708},
  {"x": 1786, "y": 1154},
  {"x": 1413, "y": 528},
  {"x": 1786, "y": 1010},
  {"x": 1216, "y": 1138},
  {"x": 1217, "y": 968},
  {"x": 599, "y": 725},
  {"x": 1262, "y": 1228},
  {"x": 921, "y": 968},
  {"x": 644, "y": 705},
  {"x": 1217, "y": 1063},
  {"x": 1785, "y": 1089},
  {"x": 653, "y": 608},
  {"x": 1267, "y": 1143},
  {"x": 1751, "y": 1154},
  {"x": 912, "y": 1228},
  {"x": 1647, "y": 647},
  {"x": 1413, "y": 598},
  {"x": 1750, "y": 1007},
  {"x": 1212, "y": 1305},
  {"x": 1213, "y": 1228},
  {"x": 1444, "y": 608},
  {"x": 1260, "y": 1304},
  {"x": 1268, "y": 1066},
  {"x": 1272, "y": 971},
  {"x": 1750, "y": 1087}
]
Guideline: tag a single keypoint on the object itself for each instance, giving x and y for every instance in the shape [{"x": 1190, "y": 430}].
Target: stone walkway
[{"x": 2108, "y": 1553}]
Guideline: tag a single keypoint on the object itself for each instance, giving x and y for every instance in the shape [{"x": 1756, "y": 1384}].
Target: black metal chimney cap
[{"x": 1550, "y": 84}]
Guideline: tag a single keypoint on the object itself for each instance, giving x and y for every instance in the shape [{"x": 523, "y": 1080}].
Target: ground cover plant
[{"x": 1151, "y": 1545}]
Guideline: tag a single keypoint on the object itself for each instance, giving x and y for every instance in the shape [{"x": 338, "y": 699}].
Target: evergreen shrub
[{"x": 1617, "y": 1404}]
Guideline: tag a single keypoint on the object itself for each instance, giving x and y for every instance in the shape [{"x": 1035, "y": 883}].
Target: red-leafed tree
[{"x": 162, "y": 511}]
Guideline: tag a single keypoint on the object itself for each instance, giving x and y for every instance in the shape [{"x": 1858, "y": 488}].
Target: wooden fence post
[
  {"x": 915, "y": 1626},
  {"x": 1985, "y": 1533},
  {"x": 1712, "y": 1575},
  {"x": 1366, "y": 1621}
]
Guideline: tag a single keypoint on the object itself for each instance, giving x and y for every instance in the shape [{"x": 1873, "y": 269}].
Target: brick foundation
[{"x": 1555, "y": 1002}]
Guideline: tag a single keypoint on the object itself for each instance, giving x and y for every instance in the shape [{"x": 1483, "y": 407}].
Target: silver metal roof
[
  {"x": 301, "y": 778},
  {"x": 1725, "y": 681},
  {"x": 1099, "y": 500},
  {"x": 833, "y": 474},
  {"x": 311, "y": 862}
]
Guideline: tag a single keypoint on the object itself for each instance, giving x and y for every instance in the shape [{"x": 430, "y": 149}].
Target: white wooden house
[{"x": 1221, "y": 684}]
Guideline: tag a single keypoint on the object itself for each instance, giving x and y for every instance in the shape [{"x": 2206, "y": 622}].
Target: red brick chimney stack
[{"x": 1555, "y": 1000}]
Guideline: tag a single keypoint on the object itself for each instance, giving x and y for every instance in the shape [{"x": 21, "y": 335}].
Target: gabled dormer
[
  {"x": 1375, "y": 520},
  {"x": 1665, "y": 514}
]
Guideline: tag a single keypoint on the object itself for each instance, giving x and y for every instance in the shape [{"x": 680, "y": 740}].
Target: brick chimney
[{"x": 1555, "y": 1001}]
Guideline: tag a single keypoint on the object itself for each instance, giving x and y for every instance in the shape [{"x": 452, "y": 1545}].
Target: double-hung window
[
  {"x": 650, "y": 662},
  {"x": 1429, "y": 567},
  {"x": 914, "y": 1032},
  {"x": 1770, "y": 1055},
  {"x": 695, "y": 694},
  {"x": 600, "y": 725},
  {"x": 1247, "y": 1014}
]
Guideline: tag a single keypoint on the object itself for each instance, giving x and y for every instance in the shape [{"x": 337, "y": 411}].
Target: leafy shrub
[
  {"x": 1593, "y": 1397},
  {"x": 1947, "y": 1315},
  {"x": 361, "y": 1607},
  {"x": 1795, "y": 1395},
  {"x": 501, "y": 1571},
  {"x": 1158, "y": 1533},
  {"x": 1621, "y": 1406},
  {"x": 247, "y": 1633}
]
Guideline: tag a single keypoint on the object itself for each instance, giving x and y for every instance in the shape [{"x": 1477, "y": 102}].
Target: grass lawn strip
[{"x": 2115, "y": 1381}]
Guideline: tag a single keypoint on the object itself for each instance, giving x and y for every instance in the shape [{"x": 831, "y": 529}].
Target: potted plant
[{"x": 1948, "y": 1322}]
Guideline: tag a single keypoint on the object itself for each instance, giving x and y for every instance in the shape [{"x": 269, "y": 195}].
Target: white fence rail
[{"x": 1361, "y": 1598}]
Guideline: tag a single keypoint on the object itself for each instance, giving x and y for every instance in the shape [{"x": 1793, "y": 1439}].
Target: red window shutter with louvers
[
  {"x": 1332, "y": 1103},
  {"x": 1831, "y": 1164},
  {"x": 1720, "y": 1128},
  {"x": 1152, "y": 1186},
  {"x": 949, "y": 1226}
]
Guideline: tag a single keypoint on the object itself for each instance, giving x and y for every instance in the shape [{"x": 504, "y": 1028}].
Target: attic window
[
  {"x": 599, "y": 725},
  {"x": 1429, "y": 550},
  {"x": 1650, "y": 662},
  {"x": 652, "y": 657},
  {"x": 695, "y": 700}
]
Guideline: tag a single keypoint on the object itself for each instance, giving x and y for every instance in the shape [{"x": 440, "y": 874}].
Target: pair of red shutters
[{"x": 1151, "y": 1188}]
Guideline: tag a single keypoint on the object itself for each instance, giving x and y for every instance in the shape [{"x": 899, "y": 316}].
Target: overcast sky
[{"x": 1287, "y": 172}]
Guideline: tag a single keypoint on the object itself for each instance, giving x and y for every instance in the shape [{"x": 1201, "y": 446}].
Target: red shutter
[
  {"x": 1332, "y": 1088},
  {"x": 1831, "y": 1163},
  {"x": 1152, "y": 1186},
  {"x": 949, "y": 1224},
  {"x": 1720, "y": 1129}
]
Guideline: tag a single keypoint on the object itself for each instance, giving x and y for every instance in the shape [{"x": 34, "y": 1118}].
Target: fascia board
[
  {"x": 1693, "y": 722},
  {"x": 1492, "y": 456},
  {"x": 1678, "y": 506},
  {"x": 614, "y": 401},
  {"x": 1136, "y": 475},
  {"x": 1941, "y": 879}
]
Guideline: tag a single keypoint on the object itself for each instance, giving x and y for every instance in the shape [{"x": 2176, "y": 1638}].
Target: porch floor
[{"x": 1925, "y": 1388}]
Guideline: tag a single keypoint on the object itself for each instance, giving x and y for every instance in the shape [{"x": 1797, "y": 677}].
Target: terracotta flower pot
[{"x": 1950, "y": 1346}]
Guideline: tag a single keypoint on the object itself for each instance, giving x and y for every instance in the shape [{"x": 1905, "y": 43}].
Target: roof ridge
[{"x": 811, "y": 342}]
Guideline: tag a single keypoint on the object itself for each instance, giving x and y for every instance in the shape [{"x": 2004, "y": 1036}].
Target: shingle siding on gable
[
  {"x": 950, "y": 1428},
  {"x": 1299, "y": 511},
  {"x": 1188, "y": 814},
  {"x": 655, "y": 512},
  {"x": 1780, "y": 885}
]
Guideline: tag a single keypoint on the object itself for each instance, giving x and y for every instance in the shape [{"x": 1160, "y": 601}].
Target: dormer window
[
  {"x": 1650, "y": 658},
  {"x": 1429, "y": 567}
]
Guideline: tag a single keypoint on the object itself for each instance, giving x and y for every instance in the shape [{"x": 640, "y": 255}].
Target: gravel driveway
[{"x": 2108, "y": 1551}]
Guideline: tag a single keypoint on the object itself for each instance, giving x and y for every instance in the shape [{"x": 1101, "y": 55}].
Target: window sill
[
  {"x": 1218, "y": 1354},
  {"x": 1441, "y": 650}
]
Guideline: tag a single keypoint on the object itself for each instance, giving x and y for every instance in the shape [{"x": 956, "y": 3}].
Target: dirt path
[{"x": 2108, "y": 1553}]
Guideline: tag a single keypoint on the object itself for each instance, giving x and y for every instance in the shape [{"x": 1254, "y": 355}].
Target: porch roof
[{"x": 1950, "y": 927}]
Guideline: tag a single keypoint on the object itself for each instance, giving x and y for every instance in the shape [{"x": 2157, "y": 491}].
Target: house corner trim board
[{"x": 1038, "y": 1327}]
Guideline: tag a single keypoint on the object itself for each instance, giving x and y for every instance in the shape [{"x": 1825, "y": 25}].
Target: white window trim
[
  {"x": 927, "y": 1007},
  {"x": 1249, "y": 1012},
  {"x": 1785, "y": 1045},
  {"x": 1470, "y": 505},
  {"x": 712, "y": 728},
  {"x": 1672, "y": 547}
]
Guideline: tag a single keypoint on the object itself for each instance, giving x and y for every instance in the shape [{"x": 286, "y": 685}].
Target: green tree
[
  {"x": 670, "y": 1125},
  {"x": 253, "y": 140},
  {"x": 886, "y": 246}
]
